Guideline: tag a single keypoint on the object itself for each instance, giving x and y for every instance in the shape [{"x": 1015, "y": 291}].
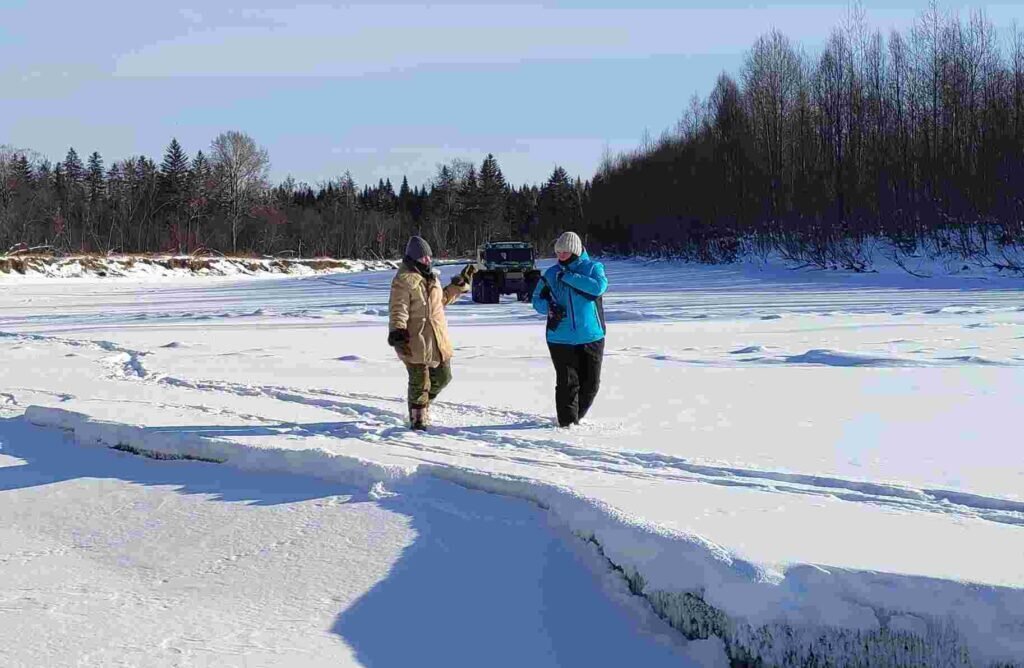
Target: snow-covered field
[{"x": 791, "y": 464}]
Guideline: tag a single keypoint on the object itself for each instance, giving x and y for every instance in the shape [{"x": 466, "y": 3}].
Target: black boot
[{"x": 417, "y": 420}]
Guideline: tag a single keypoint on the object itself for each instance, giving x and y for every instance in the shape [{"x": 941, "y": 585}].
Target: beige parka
[{"x": 417, "y": 305}]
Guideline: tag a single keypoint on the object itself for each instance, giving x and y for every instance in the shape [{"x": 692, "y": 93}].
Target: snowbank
[
  {"x": 18, "y": 267},
  {"x": 802, "y": 615},
  {"x": 963, "y": 258}
]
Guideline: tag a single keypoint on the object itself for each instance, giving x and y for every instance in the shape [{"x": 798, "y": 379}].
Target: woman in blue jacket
[{"x": 570, "y": 294}]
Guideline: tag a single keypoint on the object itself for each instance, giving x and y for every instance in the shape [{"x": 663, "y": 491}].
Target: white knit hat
[{"x": 569, "y": 242}]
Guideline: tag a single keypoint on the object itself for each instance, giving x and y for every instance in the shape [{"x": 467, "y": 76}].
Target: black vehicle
[{"x": 503, "y": 268}]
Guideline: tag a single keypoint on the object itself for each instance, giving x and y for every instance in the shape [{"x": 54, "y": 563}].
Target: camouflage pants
[{"x": 425, "y": 383}]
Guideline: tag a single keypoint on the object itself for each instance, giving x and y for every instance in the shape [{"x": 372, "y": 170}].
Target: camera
[{"x": 556, "y": 312}]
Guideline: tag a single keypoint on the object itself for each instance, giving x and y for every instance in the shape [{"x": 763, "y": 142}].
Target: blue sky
[{"x": 384, "y": 89}]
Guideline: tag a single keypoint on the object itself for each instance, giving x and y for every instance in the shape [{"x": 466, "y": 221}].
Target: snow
[
  {"x": 92, "y": 268},
  {"x": 110, "y": 559},
  {"x": 811, "y": 457}
]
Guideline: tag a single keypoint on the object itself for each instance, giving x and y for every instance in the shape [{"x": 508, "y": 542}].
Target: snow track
[
  {"x": 376, "y": 418},
  {"x": 124, "y": 362}
]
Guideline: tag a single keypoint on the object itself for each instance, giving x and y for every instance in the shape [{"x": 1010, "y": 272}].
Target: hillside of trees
[{"x": 915, "y": 139}]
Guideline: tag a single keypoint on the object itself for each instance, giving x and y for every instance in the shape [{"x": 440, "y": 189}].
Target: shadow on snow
[{"x": 487, "y": 581}]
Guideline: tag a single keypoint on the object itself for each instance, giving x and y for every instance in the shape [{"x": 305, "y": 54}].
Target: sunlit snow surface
[{"x": 799, "y": 449}]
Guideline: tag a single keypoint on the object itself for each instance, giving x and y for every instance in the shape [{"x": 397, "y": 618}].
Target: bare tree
[
  {"x": 1017, "y": 79},
  {"x": 771, "y": 76},
  {"x": 240, "y": 170}
]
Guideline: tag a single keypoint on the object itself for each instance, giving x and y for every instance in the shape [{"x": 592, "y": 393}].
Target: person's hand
[{"x": 399, "y": 339}]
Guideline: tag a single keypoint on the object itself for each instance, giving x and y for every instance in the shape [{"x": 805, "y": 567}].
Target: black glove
[
  {"x": 556, "y": 313},
  {"x": 399, "y": 339}
]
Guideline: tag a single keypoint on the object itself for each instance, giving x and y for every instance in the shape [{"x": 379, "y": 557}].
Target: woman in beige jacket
[{"x": 417, "y": 328}]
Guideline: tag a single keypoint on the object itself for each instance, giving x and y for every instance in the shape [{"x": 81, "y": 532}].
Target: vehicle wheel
[
  {"x": 493, "y": 293},
  {"x": 532, "y": 279}
]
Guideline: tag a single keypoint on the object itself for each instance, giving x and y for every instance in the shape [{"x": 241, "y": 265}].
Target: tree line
[
  {"x": 222, "y": 201},
  {"x": 917, "y": 139}
]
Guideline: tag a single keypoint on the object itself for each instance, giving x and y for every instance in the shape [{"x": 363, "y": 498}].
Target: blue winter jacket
[{"x": 577, "y": 288}]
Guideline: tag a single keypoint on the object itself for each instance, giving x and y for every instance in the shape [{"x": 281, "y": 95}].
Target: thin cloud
[{"x": 360, "y": 39}]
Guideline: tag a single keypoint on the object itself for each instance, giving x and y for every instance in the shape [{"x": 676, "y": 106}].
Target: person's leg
[
  {"x": 419, "y": 392},
  {"x": 590, "y": 356},
  {"x": 567, "y": 384},
  {"x": 440, "y": 376}
]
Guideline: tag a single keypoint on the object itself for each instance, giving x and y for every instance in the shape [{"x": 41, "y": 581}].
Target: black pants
[{"x": 577, "y": 378}]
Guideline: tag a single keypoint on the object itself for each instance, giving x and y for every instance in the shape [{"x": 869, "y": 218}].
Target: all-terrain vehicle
[{"x": 504, "y": 267}]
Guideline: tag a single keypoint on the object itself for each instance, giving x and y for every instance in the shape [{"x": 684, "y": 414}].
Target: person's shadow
[
  {"x": 486, "y": 581},
  {"x": 51, "y": 457}
]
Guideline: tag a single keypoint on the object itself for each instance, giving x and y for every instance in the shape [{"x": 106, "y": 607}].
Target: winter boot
[
  {"x": 425, "y": 415},
  {"x": 416, "y": 419}
]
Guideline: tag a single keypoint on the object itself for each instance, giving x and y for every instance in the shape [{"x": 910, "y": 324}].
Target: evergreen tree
[
  {"x": 174, "y": 174},
  {"x": 390, "y": 204},
  {"x": 74, "y": 171},
  {"x": 197, "y": 201},
  {"x": 558, "y": 207},
  {"x": 493, "y": 199},
  {"x": 44, "y": 174},
  {"x": 405, "y": 197},
  {"x": 470, "y": 223},
  {"x": 200, "y": 176},
  {"x": 22, "y": 171},
  {"x": 94, "y": 178}
]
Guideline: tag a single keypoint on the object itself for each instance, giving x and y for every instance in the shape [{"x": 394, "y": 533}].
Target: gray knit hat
[
  {"x": 569, "y": 242},
  {"x": 417, "y": 248}
]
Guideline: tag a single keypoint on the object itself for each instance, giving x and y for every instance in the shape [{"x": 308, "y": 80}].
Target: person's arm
[
  {"x": 540, "y": 299},
  {"x": 398, "y": 315},
  {"x": 460, "y": 285},
  {"x": 452, "y": 292},
  {"x": 593, "y": 285}
]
